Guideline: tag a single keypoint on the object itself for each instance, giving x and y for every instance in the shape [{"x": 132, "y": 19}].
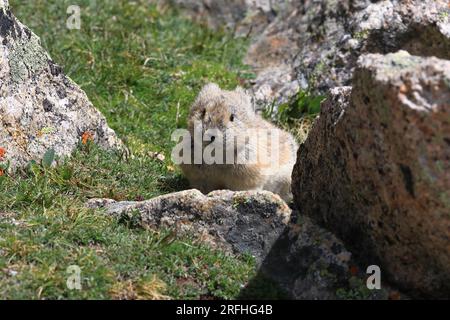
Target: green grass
[
  {"x": 297, "y": 114},
  {"x": 142, "y": 67}
]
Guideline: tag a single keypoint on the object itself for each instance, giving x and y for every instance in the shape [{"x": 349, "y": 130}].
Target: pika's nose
[{"x": 213, "y": 138}]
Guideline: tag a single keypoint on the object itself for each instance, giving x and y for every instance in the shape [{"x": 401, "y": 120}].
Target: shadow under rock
[
  {"x": 308, "y": 262},
  {"x": 173, "y": 183}
]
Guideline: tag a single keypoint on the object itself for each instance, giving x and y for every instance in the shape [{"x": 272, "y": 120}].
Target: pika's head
[{"x": 223, "y": 110}]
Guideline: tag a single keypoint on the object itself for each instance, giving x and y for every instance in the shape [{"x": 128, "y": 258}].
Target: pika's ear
[
  {"x": 245, "y": 97},
  {"x": 209, "y": 90}
]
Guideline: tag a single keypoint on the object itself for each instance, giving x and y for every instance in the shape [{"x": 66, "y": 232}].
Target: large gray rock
[
  {"x": 335, "y": 33},
  {"x": 40, "y": 108},
  {"x": 304, "y": 260},
  {"x": 375, "y": 169},
  {"x": 246, "y": 221},
  {"x": 314, "y": 45}
]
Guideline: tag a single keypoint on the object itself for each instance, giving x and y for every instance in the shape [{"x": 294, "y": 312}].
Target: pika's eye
[{"x": 232, "y": 117}]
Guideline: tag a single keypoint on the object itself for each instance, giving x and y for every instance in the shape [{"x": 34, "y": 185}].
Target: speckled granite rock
[
  {"x": 307, "y": 44},
  {"x": 375, "y": 169},
  {"x": 336, "y": 33},
  {"x": 40, "y": 108},
  {"x": 306, "y": 261},
  {"x": 246, "y": 221}
]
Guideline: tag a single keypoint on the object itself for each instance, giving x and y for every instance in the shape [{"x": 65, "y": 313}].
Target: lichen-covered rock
[
  {"x": 245, "y": 221},
  {"x": 375, "y": 169},
  {"x": 314, "y": 45},
  {"x": 321, "y": 41},
  {"x": 40, "y": 108},
  {"x": 304, "y": 260}
]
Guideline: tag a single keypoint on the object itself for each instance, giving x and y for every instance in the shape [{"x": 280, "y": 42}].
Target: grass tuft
[{"x": 296, "y": 115}]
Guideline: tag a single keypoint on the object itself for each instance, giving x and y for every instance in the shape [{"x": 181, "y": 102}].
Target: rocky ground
[
  {"x": 375, "y": 167},
  {"x": 315, "y": 44},
  {"x": 142, "y": 69},
  {"x": 371, "y": 184},
  {"x": 306, "y": 261}
]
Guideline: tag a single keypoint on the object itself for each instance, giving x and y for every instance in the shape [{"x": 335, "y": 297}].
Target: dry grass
[{"x": 152, "y": 289}]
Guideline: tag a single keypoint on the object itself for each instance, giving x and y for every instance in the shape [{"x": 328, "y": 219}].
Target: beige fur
[{"x": 232, "y": 111}]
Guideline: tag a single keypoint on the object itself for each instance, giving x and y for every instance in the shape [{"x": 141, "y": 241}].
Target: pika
[{"x": 229, "y": 115}]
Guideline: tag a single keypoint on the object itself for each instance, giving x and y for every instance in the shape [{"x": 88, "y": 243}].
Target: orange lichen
[
  {"x": 2, "y": 152},
  {"x": 87, "y": 136},
  {"x": 2, "y": 173},
  {"x": 353, "y": 270},
  {"x": 403, "y": 89},
  {"x": 394, "y": 295}
]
